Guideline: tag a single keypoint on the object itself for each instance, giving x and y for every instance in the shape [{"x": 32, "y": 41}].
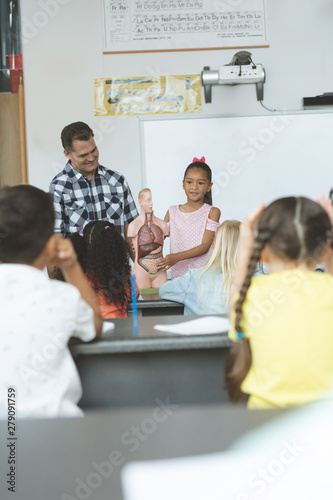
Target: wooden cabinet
[{"x": 10, "y": 148}]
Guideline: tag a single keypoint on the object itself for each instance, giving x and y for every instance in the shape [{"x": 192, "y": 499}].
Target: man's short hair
[
  {"x": 77, "y": 131},
  {"x": 26, "y": 223}
]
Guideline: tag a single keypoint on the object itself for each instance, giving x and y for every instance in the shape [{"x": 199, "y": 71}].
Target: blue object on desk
[{"x": 134, "y": 307}]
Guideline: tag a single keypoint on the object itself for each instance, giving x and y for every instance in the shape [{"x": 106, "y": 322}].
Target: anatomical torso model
[{"x": 148, "y": 233}]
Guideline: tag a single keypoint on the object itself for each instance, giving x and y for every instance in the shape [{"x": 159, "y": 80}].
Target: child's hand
[
  {"x": 168, "y": 261},
  {"x": 65, "y": 257},
  {"x": 327, "y": 206},
  {"x": 248, "y": 228}
]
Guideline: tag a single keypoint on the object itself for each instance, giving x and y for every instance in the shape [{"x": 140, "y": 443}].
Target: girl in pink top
[{"x": 192, "y": 226}]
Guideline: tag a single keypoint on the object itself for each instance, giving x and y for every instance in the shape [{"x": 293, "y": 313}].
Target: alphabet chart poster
[{"x": 167, "y": 25}]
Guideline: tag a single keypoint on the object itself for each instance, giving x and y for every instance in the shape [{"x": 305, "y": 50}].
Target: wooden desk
[
  {"x": 57, "y": 456},
  {"x": 153, "y": 305},
  {"x": 120, "y": 371}
]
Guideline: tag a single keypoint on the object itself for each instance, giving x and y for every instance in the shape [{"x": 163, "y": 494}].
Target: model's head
[
  {"x": 198, "y": 175},
  {"x": 26, "y": 223},
  {"x": 145, "y": 200}
]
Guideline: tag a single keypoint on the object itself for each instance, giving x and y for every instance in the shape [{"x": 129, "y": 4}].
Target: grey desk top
[
  {"x": 154, "y": 301},
  {"x": 121, "y": 338},
  {"x": 56, "y": 457}
]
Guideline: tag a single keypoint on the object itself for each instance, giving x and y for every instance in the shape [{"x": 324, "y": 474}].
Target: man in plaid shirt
[{"x": 86, "y": 191}]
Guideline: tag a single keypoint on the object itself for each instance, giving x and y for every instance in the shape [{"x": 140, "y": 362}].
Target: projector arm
[
  {"x": 260, "y": 90},
  {"x": 209, "y": 78}
]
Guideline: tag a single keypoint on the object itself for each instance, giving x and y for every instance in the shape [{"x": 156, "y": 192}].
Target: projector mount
[{"x": 240, "y": 70}]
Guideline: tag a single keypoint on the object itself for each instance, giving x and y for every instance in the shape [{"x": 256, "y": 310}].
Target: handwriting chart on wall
[{"x": 166, "y": 25}]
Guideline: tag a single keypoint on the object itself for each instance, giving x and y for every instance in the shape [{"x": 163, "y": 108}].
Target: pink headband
[{"x": 202, "y": 159}]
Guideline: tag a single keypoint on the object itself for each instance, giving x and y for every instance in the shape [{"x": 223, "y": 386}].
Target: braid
[
  {"x": 239, "y": 358},
  {"x": 261, "y": 239},
  {"x": 237, "y": 365}
]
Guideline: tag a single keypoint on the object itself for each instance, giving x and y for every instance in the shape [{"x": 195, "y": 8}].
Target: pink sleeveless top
[{"x": 186, "y": 231}]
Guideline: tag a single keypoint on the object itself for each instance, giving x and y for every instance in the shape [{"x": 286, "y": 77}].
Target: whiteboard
[
  {"x": 159, "y": 25},
  {"x": 254, "y": 159}
]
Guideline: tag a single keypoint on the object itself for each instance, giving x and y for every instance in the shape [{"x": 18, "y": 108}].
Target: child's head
[
  {"x": 201, "y": 172},
  {"x": 226, "y": 246},
  {"x": 226, "y": 249},
  {"x": 225, "y": 254},
  {"x": 104, "y": 257},
  {"x": 295, "y": 230},
  {"x": 26, "y": 223}
]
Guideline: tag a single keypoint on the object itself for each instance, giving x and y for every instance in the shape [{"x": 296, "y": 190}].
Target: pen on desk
[{"x": 134, "y": 307}]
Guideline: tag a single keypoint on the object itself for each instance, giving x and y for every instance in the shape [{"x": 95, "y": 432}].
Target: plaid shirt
[{"x": 78, "y": 201}]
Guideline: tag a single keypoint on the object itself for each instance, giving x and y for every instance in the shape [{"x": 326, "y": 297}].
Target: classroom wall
[{"x": 63, "y": 53}]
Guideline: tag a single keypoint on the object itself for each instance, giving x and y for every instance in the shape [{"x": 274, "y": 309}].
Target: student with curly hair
[{"x": 104, "y": 257}]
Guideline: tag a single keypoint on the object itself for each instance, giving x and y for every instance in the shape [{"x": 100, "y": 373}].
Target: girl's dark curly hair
[{"x": 104, "y": 257}]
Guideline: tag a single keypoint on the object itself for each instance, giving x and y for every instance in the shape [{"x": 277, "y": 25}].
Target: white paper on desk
[
  {"x": 221, "y": 476},
  {"x": 226, "y": 476},
  {"x": 200, "y": 326},
  {"x": 107, "y": 326},
  {"x": 192, "y": 478}
]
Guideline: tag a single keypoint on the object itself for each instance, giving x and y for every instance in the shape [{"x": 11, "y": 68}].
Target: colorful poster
[{"x": 147, "y": 95}]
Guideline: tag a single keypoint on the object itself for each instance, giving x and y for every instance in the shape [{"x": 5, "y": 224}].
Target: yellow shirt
[{"x": 288, "y": 319}]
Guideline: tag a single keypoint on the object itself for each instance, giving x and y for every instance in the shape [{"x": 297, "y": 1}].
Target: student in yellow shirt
[{"x": 282, "y": 324}]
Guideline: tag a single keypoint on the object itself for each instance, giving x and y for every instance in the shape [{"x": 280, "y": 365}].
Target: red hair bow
[{"x": 202, "y": 159}]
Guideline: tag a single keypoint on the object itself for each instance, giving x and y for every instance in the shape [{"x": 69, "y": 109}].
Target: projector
[
  {"x": 241, "y": 70},
  {"x": 233, "y": 75}
]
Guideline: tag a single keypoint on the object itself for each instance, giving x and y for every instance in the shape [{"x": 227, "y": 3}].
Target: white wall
[{"x": 63, "y": 54}]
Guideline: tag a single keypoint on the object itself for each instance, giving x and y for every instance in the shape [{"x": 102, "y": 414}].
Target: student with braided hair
[{"x": 282, "y": 324}]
